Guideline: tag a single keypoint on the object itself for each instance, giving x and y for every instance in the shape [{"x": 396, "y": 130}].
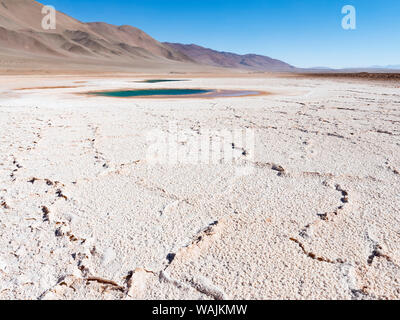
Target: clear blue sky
[{"x": 305, "y": 33}]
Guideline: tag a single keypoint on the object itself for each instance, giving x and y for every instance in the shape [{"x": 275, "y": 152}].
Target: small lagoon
[
  {"x": 159, "y": 80},
  {"x": 175, "y": 93},
  {"x": 151, "y": 92}
]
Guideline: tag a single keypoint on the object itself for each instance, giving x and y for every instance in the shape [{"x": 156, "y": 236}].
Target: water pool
[
  {"x": 175, "y": 93},
  {"x": 151, "y": 92}
]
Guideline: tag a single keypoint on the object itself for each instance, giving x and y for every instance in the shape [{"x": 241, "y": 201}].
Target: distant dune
[{"x": 24, "y": 45}]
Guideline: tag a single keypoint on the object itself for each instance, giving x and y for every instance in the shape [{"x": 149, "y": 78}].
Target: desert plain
[{"x": 84, "y": 215}]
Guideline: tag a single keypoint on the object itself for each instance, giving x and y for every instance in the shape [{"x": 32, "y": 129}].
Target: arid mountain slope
[
  {"x": 131, "y": 38},
  {"x": 230, "y": 60},
  {"x": 21, "y": 34},
  {"x": 24, "y": 44}
]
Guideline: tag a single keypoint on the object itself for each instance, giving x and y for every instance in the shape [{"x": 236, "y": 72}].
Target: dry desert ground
[{"x": 311, "y": 212}]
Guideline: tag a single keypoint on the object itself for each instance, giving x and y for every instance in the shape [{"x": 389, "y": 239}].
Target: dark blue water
[
  {"x": 158, "y": 80},
  {"x": 151, "y": 92}
]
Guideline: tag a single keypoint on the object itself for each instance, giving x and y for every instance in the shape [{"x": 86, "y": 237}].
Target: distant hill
[
  {"x": 22, "y": 37},
  {"x": 391, "y": 67},
  {"x": 77, "y": 45},
  {"x": 230, "y": 60}
]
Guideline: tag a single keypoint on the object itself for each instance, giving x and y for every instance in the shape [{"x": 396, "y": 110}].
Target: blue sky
[{"x": 305, "y": 33}]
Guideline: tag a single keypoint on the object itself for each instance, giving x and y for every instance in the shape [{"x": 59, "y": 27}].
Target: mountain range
[
  {"x": 24, "y": 44},
  {"x": 230, "y": 60}
]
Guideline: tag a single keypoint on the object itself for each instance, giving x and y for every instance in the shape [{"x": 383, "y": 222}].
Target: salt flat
[{"x": 85, "y": 215}]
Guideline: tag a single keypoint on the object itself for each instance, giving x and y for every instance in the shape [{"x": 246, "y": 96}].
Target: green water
[
  {"x": 151, "y": 92},
  {"x": 158, "y": 80}
]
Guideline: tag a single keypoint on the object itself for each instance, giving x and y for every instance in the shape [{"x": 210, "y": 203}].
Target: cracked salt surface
[{"x": 83, "y": 215}]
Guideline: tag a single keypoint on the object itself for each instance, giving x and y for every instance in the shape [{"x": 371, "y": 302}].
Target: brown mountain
[
  {"x": 23, "y": 42},
  {"x": 75, "y": 45},
  {"x": 230, "y": 60}
]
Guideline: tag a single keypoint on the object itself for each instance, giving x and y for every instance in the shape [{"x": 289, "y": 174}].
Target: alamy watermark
[
  {"x": 349, "y": 21},
  {"x": 201, "y": 146},
  {"x": 49, "y": 20}
]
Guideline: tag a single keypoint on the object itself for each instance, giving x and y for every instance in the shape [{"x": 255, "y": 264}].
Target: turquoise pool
[
  {"x": 159, "y": 80},
  {"x": 151, "y": 92}
]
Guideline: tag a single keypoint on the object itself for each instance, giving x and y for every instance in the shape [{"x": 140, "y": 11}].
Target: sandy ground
[{"x": 84, "y": 214}]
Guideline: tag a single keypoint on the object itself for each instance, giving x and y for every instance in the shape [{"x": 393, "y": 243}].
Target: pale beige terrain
[{"x": 84, "y": 215}]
